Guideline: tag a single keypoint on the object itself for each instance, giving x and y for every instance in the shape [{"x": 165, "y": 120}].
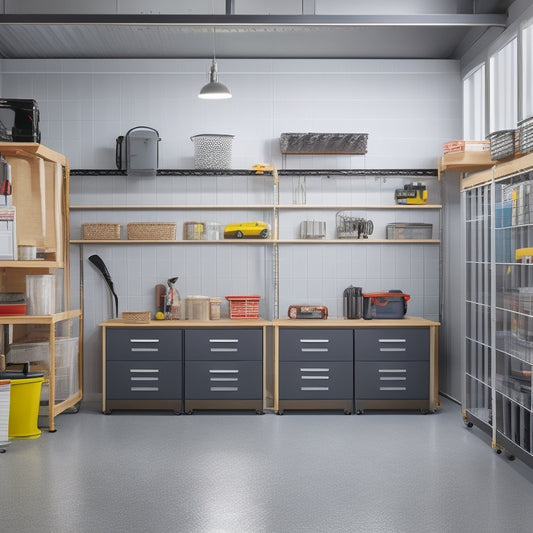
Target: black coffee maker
[{"x": 353, "y": 302}]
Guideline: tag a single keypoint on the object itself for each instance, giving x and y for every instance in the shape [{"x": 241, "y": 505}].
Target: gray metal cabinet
[
  {"x": 143, "y": 369},
  {"x": 224, "y": 369},
  {"x": 392, "y": 368},
  {"x": 316, "y": 369}
]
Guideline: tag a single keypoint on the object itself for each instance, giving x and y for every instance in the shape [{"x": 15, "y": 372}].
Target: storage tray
[
  {"x": 502, "y": 144},
  {"x": 323, "y": 143},
  {"x": 152, "y": 231},
  {"x": 401, "y": 230}
]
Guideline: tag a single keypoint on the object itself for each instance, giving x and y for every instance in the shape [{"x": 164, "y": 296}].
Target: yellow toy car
[{"x": 250, "y": 230}]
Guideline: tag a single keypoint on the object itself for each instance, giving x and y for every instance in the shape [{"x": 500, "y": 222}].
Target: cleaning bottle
[{"x": 172, "y": 301}]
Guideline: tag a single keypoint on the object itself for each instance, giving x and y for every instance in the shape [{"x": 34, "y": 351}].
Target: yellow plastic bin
[{"x": 24, "y": 404}]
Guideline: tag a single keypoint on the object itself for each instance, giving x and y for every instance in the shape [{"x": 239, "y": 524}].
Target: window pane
[
  {"x": 527, "y": 70},
  {"x": 474, "y": 105},
  {"x": 503, "y": 88}
]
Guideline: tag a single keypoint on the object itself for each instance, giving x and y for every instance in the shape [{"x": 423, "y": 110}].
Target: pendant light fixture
[{"x": 214, "y": 90}]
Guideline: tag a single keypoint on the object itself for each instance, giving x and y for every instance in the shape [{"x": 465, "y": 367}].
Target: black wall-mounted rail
[{"x": 409, "y": 172}]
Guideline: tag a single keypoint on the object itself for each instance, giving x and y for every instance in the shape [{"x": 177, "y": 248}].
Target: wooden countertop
[{"x": 408, "y": 322}]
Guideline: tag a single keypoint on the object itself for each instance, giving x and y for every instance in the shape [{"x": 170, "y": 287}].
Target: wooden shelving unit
[{"x": 40, "y": 182}]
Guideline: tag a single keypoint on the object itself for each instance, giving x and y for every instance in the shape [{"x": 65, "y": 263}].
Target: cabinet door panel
[
  {"x": 143, "y": 344},
  {"x": 391, "y": 344},
  {"x": 391, "y": 380},
  {"x": 142, "y": 380},
  {"x": 224, "y": 345},
  {"x": 232, "y": 380},
  {"x": 316, "y": 345},
  {"x": 313, "y": 380}
]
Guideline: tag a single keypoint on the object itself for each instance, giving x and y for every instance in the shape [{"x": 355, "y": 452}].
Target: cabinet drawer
[
  {"x": 394, "y": 344},
  {"x": 312, "y": 380},
  {"x": 143, "y": 380},
  {"x": 142, "y": 344},
  {"x": 316, "y": 345},
  {"x": 224, "y": 345},
  {"x": 232, "y": 380},
  {"x": 387, "y": 380}
]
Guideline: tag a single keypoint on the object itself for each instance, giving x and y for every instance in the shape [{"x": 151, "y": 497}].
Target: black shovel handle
[{"x": 97, "y": 261}]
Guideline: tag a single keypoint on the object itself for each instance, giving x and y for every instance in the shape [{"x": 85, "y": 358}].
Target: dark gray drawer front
[
  {"x": 394, "y": 344},
  {"x": 312, "y": 380},
  {"x": 223, "y": 380},
  {"x": 141, "y": 380},
  {"x": 316, "y": 345},
  {"x": 390, "y": 380},
  {"x": 224, "y": 345},
  {"x": 143, "y": 344}
]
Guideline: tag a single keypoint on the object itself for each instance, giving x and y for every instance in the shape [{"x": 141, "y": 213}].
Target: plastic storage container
[
  {"x": 391, "y": 304},
  {"x": 24, "y": 404}
]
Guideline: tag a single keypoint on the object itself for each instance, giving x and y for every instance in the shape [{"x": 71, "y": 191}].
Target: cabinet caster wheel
[
  {"x": 280, "y": 412},
  {"x": 359, "y": 412},
  {"x": 424, "y": 411},
  {"x": 348, "y": 412},
  {"x": 2, "y": 450},
  {"x": 498, "y": 451},
  {"x": 259, "y": 412},
  {"x": 108, "y": 411},
  {"x": 177, "y": 413},
  {"x": 469, "y": 425},
  {"x": 188, "y": 412},
  {"x": 511, "y": 457}
]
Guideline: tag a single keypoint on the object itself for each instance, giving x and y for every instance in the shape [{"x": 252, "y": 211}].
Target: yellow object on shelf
[
  {"x": 524, "y": 255},
  {"x": 24, "y": 408}
]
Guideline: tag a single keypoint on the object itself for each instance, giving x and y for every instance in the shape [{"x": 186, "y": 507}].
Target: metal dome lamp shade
[{"x": 214, "y": 90}]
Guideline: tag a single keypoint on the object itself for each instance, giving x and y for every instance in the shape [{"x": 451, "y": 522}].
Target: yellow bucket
[{"x": 24, "y": 408}]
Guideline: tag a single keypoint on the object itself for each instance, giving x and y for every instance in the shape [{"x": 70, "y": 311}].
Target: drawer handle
[
  {"x": 217, "y": 371},
  {"x": 392, "y": 349},
  {"x": 224, "y": 389},
  {"x": 223, "y": 340},
  {"x": 223, "y": 379},
  {"x": 393, "y": 388},
  {"x": 145, "y": 378},
  {"x": 392, "y": 340},
  {"x": 144, "y": 389},
  {"x": 144, "y": 340},
  {"x": 223, "y": 349},
  {"x": 144, "y": 370},
  {"x": 392, "y": 378},
  {"x": 314, "y": 388},
  {"x": 314, "y": 369},
  {"x": 314, "y": 340},
  {"x": 392, "y": 370},
  {"x": 314, "y": 350},
  {"x": 314, "y": 377},
  {"x": 145, "y": 349}
]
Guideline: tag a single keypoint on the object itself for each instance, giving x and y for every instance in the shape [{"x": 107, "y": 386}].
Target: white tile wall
[{"x": 408, "y": 108}]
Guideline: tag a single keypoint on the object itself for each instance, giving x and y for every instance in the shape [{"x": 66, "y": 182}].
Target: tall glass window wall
[
  {"x": 503, "y": 88},
  {"x": 527, "y": 70},
  {"x": 474, "y": 105}
]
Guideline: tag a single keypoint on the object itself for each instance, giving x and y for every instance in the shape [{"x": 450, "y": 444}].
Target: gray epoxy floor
[{"x": 240, "y": 472}]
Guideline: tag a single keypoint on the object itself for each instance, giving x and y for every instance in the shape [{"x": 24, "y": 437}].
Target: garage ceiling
[{"x": 416, "y": 36}]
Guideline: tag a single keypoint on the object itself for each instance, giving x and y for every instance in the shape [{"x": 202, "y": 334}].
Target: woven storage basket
[
  {"x": 136, "y": 317},
  {"x": 100, "y": 231},
  {"x": 243, "y": 306},
  {"x": 152, "y": 231}
]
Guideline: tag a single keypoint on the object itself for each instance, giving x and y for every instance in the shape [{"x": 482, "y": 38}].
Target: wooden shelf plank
[
  {"x": 262, "y": 241},
  {"x": 168, "y": 207}
]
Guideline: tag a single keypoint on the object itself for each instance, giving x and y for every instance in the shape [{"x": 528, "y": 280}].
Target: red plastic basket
[{"x": 244, "y": 306}]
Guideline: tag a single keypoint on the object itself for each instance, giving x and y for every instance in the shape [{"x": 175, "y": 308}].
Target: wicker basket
[
  {"x": 136, "y": 317},
  {"x": 152, "y": 231},
  {"x": 243, "y": 306},
  {"x": 100, "y": 231},
  {"x": 525, "y": 128}
]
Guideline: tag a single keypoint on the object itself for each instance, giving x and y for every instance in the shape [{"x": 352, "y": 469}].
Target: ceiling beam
[{"x": 230, "y": 20}]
